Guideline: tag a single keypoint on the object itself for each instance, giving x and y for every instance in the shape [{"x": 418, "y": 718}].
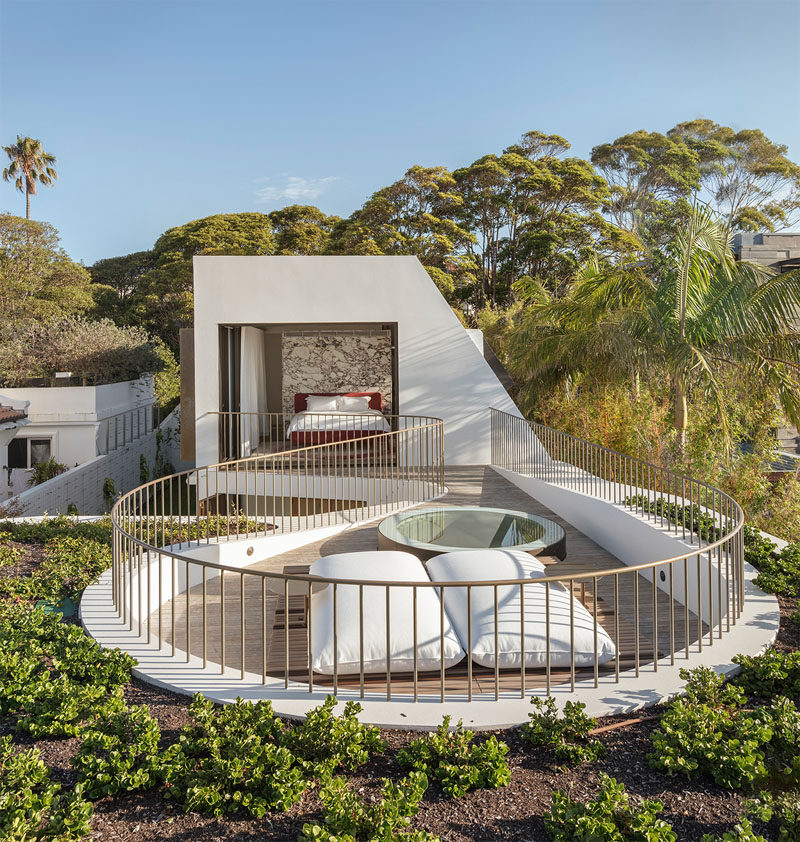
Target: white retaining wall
[{"x": 82, "y": 486}]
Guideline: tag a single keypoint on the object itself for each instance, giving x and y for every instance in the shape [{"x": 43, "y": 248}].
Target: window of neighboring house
[{"x": 26, "y": 452}]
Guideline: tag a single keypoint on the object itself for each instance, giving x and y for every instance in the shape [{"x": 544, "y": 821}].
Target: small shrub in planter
[
  {"x": 778, "y": 570},
  {"x": 31, "y": 804},
  {"x": 43, "y": 471},
  {"x": 326, "y": 742},
  {"x": 70, "y": 564},
  {"x": 349, "y": 818},
  {"x": 119, "y": 752},
  {"x": 232, "y": 759},
  {"x": 455, "y": 761},
  {"x": 709, "y": 733},
  {"x": 568, "y": 735},
  {"x": 769, "y": 674},
  {"x": 609, "y": 817}
]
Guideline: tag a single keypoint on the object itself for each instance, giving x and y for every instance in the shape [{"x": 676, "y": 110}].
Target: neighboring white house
[
  {"x": 74, "y": 424},
  {"x": 268, "y": 328}
]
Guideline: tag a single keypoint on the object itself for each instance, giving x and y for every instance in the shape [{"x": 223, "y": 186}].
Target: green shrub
[
  {"x": 119, "y": 753},
  {"x": 326, "y": 742},
  {"x": 43, "y": 471},
  {"x": 231, "y": 759},
  {"x": 452, "y": 759},
  {"x": 69, "y": 565},
  {"x": 608, "y": 818},
  {"x": 778, "y": 570},
  {"x": 693, "y": 517},
  {"x": 58, "y": 707},
  {"x": 770, "y": 674},
  {"x": 709, "y": 733},
  {"x": 52, "y": 676},
  {"x": 742, "y": 832},
  {"x": 42, "y": 531},
  {"x": 568, "y": 735},
  {"x": 348, "y": 818},
  {"x": 781, "y": 811},
  {"x": 9, "y": 555},
  {"x": 31, "y": 804}
]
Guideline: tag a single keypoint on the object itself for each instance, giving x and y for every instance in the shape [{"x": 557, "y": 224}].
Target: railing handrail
[
  {"x": 232, "y": 465},
  {"x": 378, "y": 472}
]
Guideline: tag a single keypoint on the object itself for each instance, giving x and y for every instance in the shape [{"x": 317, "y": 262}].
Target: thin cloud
[{"x": 293, "y": 188}]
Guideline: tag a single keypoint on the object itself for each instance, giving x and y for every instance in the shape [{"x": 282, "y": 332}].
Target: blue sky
[{"x": 162, "y": 112}]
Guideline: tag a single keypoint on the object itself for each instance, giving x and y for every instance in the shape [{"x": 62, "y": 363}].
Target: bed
[{"x": 324, "y": 417}]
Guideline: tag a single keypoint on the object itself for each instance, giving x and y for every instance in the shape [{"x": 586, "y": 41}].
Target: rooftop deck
[{"x": 266, "y": 611}]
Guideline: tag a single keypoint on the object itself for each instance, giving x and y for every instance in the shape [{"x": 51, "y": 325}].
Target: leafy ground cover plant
[
  {"x": 780, "y": 811},
  {"x": 709, "y": 733},
  {"x": 453, "y": 759},
  {"x": 32, "y": 806},
  {"x": 53, "y": 677},
  {"x": 69, "y": 564},
  {"x": 693, "y": 516},
  {"x": 232, "y": 758},
  {"x": 119, "y": 752},
  {"x": 325, "y": 742},
  {"x": 349, "y": 818},
  {"x": 610, "y": 817},
  {"x": 741, "y": 832},
  {"x": 568, "y": 735},
  {"x": 770, "y": 674}
]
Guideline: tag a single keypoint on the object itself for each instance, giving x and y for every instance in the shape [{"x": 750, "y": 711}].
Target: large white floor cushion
[
  {"x": 477, "y": 565},
  {"x": 394, "y": 566}
]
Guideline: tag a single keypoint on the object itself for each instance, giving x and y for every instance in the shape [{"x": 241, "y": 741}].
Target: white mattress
[
  {"x": 472, "y": 565},
  {"x": 370, "y": 420},
  {"x": 394, "y": 566}
]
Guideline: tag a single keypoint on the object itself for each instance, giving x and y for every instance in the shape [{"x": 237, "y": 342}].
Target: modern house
[
  {"x": 780, "y": 251},
  {"x": 75, "y": 424},
  {"x": 372, "y": 516}
]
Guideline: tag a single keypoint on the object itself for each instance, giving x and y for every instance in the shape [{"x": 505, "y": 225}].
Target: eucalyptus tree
[
  {"x": 534, "y": 211},
  {"x": 703, "y": 315},
  {"x": 650, "y": 175},
  {"x": 749, "y": 179},
  {"x": 30, "y": 165},
  {"x": 416, "y": 215}
]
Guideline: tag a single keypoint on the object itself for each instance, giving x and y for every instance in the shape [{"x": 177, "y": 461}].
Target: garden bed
[{"x": 693, "y": 806}]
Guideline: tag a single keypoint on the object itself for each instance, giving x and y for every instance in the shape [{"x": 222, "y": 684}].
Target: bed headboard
[{"x": 375, "y": 398}]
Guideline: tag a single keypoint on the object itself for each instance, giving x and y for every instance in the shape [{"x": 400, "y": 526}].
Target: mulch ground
[{"x": 692, "y": 807}]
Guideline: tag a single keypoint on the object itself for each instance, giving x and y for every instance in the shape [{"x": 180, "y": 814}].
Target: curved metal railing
[{"x": 263, "y": 623}]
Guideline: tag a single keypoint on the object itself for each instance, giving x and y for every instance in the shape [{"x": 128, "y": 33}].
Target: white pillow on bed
[
  {"x": 322, "y": 403},
  {"x": 477, "y": 565},
  {"x": 387, "y": 565},
  {"x": 350, "y": 403}
]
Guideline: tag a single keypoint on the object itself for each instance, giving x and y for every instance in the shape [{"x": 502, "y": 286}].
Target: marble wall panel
[{"x": 337, "y": 362}]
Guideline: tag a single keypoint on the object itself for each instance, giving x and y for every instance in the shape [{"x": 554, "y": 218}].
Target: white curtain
[{"x": 253, "y": 389}]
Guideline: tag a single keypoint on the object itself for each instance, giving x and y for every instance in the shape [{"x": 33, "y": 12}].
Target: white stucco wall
[
  {"x": 441, "y": 371},
  {"x": 75, "y": 417}
]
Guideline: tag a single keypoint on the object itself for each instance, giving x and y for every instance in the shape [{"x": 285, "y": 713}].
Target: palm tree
[
  {"x": 29, "y": 164},
  {"x": 704, "y": 314}
]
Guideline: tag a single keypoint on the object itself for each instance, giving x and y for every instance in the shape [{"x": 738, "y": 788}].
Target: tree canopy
[{"x": 37, "y": 278}]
